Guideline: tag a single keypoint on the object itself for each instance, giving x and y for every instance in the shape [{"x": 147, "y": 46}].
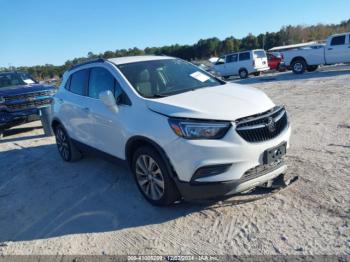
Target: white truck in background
[{"x": 308, "y": 58}]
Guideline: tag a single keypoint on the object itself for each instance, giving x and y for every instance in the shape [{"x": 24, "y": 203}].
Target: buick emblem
[{"x": 271, "y": 124}]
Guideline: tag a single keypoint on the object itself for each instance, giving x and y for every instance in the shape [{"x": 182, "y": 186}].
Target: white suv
[
  {"x": 242, "y": 64},
  {"x": 184, "y": 133}
]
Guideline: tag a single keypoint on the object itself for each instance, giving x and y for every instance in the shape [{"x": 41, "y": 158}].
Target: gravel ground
[{"x": 93, "y": 206}]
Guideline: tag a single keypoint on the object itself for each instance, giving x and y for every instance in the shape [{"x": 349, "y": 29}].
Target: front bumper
[
  {"x": 196, "y": 191},
  {"x": 189, "y": 156},
  {"x": 10, "y": 118}
]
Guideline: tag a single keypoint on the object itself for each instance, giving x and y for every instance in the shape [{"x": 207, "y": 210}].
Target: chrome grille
[
  {"x": 27, "y": 96},
  {"x": 263, "y": 126},
  {"x": 30, "y": 104}
]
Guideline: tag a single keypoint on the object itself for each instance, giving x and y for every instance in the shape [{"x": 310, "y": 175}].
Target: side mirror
[{"x": 108, "y": 99}]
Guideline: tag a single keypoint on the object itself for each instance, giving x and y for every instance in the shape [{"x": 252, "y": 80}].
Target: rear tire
[
  {"x": 153, "y": 178},
  {"x": 65, "y": 146},
  {"x": 299, "y": 66},
  {"x": 312, "y": 68},
  {"x": 243, "y": 73}
]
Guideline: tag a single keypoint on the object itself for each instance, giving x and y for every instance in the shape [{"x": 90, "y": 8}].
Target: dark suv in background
[{"x": 23, "y": 99}]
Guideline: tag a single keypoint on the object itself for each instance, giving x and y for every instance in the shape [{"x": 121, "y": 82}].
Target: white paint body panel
[
  {"x": 325, "y": 54},
  {"x": 109, "y": 132},
  {"x": 253, "y": 65}
]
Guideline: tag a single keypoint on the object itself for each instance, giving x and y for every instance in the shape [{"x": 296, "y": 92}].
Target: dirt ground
[{"x": 48, "y": 206}]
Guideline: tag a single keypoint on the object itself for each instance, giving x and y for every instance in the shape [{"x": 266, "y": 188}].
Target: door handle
[{"x": 330, "y": 48}]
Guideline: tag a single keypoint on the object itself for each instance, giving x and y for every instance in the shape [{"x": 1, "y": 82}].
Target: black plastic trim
[
  {"x": 210, "y": 170},
  {"x": 99, "y": 60},
  {"x": 89, "y": 150}
]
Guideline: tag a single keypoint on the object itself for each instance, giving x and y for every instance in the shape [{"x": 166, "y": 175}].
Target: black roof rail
[{"x": 99, "y": 60}]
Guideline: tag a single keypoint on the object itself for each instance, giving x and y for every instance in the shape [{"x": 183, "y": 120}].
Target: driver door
[
  {"x": 108, "y": 125},
  {"x": 220, "y": 66}
]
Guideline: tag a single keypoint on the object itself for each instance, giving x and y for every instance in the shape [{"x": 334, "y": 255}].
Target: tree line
[{"x": 204, "y": 48}]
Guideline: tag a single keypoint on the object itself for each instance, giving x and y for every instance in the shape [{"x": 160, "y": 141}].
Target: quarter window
[
  {"x": 338, "y": 40},
  {"x": 244, "y": 56},
  {"x": 79, "y": 82}
]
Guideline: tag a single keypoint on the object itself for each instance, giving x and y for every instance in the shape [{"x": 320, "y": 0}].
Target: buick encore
[{"x": 184, "y": 133}]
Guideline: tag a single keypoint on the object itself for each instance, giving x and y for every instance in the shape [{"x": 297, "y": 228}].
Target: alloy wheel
[
  {"x": 298, "y": 67},
  {"x": 62, "y": 143},
  {"x": 149, "y": 177}
]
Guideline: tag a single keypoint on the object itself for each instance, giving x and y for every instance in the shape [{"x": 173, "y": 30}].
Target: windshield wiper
[
  {"x": 178, "y": 92},
  {"x": 157, "y": 96}
]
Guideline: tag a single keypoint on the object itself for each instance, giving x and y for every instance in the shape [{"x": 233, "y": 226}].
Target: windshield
[
  {"x": 166, "y": 77},
  {"x": 15, "y": 79}
]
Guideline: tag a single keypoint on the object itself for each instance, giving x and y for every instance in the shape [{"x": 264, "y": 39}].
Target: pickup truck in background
[
  {"x": 23, "y": 100},
  {"x": 308, "y": 58}
]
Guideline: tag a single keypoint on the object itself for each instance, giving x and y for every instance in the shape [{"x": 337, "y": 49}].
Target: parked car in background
[
  {"x": 242, "y": 64},
  {"x": 22, "y": 99},
  {"x": 275, "y": 61},
  {"x": 308, "y": 58},
  {"x": 184, "y": 133},
  {"x": 206, "y": 68}
]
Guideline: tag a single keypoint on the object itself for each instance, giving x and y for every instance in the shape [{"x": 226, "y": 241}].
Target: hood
[
  {"x": 22, "y": 89},
  {"x": 225, "y": 102}
]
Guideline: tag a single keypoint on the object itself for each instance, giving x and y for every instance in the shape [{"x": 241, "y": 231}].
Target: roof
[{"x": 133, "y": 59}]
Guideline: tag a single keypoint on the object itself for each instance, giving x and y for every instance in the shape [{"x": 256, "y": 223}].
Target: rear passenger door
[
  {"x": 76, "y": 108},
  {"x": 338, "y": 50}
]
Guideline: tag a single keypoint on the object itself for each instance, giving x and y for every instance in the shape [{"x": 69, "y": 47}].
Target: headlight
[{"x": 199, "y": 130}]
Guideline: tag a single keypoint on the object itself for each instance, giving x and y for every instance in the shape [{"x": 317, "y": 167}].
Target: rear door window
[
  {"x": 244, "y": 56},
  {"x": 338, "y": 40},
  {"x": 79, "y": 82},
  {"x": 260, "y": 54}
]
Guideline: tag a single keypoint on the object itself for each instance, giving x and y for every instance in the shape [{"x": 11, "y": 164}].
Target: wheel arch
[
  {"x": 55, "y": 122},
  {"x": 137, "y": 141},
  {"x": 298, "y": 58},
  {"x": 242, "y": 68}
]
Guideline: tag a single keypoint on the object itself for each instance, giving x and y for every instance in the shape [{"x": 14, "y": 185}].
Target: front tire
[
  {"x": 299, "y": 66},
  {"x": 243, "y": 73},
  {"x": 257, "y": 73},
  {"x": 153, "y": 178},
  {"x": 65, "y": 146}
]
